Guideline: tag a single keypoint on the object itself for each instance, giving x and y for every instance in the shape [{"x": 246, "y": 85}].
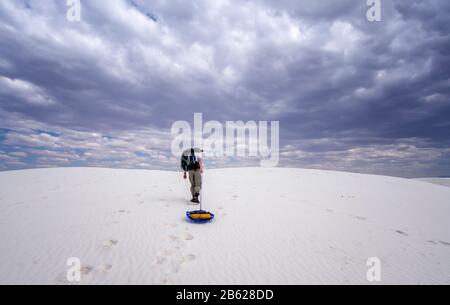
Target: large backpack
[{"x": 190, "y": 162}]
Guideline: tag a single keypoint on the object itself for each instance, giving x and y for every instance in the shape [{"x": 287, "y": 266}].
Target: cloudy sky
[{"x": 353, "y": 95}]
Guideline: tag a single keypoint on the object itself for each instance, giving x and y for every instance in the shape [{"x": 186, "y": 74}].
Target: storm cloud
[{"x": 350, "y": 94}]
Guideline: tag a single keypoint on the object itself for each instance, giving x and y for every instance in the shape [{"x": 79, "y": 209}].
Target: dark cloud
[{"x": 349, "y": 94}]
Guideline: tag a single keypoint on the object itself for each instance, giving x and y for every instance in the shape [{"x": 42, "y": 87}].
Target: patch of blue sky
[
  {"x": 141, "y": 154},
  {"x": 3, "y": 132},
  {"x": 52, "y": 133}
]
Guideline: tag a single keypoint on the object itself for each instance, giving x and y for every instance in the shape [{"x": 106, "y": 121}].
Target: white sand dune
[{"x": 273, "y": 226}]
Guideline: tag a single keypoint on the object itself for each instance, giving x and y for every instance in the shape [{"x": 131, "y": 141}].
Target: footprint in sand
[
  {"x": 108, "y": 244},
  {"x": 177, "y": 240},
  {"x": 62, "y": 280},
  {"x": 169, "y": 252},
  {"x": 104, "y": 268},
  {"x": 401, "y": 233},
  {"x": 86, "y": 269},
  {"x": 184, "y": 259},
  {"x": 175, "y": 266},
  {"x": 187, "y": 236},
  {"x": 124, "y": 212},
  {"x": 360, "y": 217},
  {"x": 167, "y": 281},
  {"x": 189, "y": 258},
  {"x": 160, "y": 260}
]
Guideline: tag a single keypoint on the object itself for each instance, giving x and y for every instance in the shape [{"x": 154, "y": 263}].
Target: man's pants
[{"x": 195, "y": 177}]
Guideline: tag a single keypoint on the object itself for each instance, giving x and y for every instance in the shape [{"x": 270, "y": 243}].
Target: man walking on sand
[{"x": 192, "y": 163}]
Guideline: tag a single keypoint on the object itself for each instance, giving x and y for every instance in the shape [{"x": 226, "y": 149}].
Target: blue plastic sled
[{"x": 200, "y": 216}]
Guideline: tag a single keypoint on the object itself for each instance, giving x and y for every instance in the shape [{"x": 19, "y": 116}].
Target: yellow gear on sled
[{"x": 201, "y": 216}]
